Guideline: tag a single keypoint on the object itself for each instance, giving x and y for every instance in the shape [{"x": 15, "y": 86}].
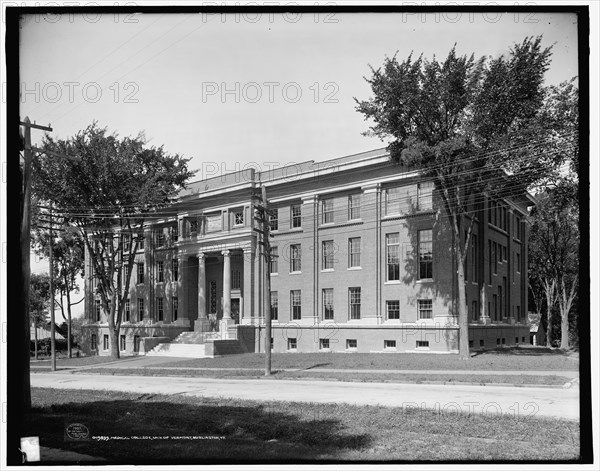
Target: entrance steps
[
  {"x": 196, "y": 345},
  {"x": 185, "y": 350}
]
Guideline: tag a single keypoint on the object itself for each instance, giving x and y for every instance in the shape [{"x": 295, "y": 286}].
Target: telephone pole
[
  {"x": 262, "y": 216},
  {"x": 23, "y": 316}
]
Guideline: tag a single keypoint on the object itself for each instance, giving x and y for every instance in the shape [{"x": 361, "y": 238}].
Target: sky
[{"x": 234, "y": 91}]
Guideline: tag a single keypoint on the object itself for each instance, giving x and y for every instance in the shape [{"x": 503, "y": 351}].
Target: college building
[{"x": 361, "y": 261}]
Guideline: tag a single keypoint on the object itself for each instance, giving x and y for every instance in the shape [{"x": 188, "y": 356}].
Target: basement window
[
  {"x": 423, "y": 344},
  {"x": 389, "y": 345},
  {"x": 324, "y": 344},
  {"x": 351, "y": 344},
  {"x": 292, "y": 344}
]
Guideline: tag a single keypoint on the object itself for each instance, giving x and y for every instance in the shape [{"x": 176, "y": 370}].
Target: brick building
[{"x": 363, "y": 262}]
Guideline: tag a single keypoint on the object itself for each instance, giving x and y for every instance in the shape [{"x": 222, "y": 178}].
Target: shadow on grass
[
  {"x": 148, "y": 430},
  {"x": 520, "y": 350}
]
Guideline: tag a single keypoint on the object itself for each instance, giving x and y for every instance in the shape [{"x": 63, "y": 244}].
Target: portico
[{"x": 216, "y": 286}]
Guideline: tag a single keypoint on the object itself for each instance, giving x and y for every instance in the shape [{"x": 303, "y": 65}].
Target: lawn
[
  {"x": 554, "y": 380},
  {"x": 131, "y": 428},
  {"x": 71, "y": 362},
  {"x": 518, "y": 358}
]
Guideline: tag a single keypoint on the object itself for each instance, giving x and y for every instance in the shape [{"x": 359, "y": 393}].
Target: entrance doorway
[{"x": 235, "y": 309}]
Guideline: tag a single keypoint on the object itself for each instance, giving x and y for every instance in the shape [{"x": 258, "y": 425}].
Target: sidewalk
[{"x": 153, "y": 363}]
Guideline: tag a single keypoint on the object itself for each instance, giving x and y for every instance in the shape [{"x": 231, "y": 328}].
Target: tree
[
  {"x": 110, "y": 190},
  {"x": 554, "y": 257},
  {"x": 39, "y": 298},
  {"x": 474, "y": 127},
  {"x": 68, "y": 251}
]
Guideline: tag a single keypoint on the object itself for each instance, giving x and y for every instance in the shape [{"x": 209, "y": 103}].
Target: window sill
[
  {"x": 274, "y": 274},
  {"x": 393, "y": 282},
  {"x": 295, "y": 273},
  {"x": 354, "y": 268},
  {"x": 327, "y": 270},
  {"x": 425, "y": 280},
  {"x": 327, "y": 224}
]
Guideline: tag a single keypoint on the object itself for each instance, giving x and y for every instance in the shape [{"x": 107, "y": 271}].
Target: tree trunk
[
  {"x": 35, "y": 342},
  {"x": 113, "y": 334},
  {"x": 564, "y": 329},
  {"x": 463, "y": 314},
  {"x": 549, "y": 288},
  {"x": 69, "y": 346}
]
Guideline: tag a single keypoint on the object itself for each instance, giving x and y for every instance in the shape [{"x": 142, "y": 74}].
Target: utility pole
[
  {"x": 23, "y": 318},
  {"x": 262, "y": 216}
]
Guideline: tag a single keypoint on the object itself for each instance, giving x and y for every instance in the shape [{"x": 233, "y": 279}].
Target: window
[
  {"x": 214, "y": 222},
  {"x": 106, "y": 342},
  {"x": 296, "y": 211},
  {"x": 425, "y": 254},
  {"x": 122, "y": 343},
  {"x": 353, "y": 207},
  {"x": 140, "y": 241},
  {"x": 474, "y": 312},
  {"x": 274, "y": 305},
  {"x": 422, "y": 344},
  {"x": 393, "y": 309},
  {"x": 274, "y": 219},
  {"x": 140, "y": 273},
  {"x": 97, "y": 311},
  {"x": 503, "y": 341},
  {"x": 292, "y": 344},
  {"x": 327, "y": 263},
  {"x": 127, "y": 311},
  {"x": 296, "y": 304},
  {"x": 425, "y": 307},
  {"x": 174, "y": 234},
  {"x": 392, "y": 201},
  {"x": 160, "y": 238},
  {"x": 518, "y": 262},
  {"x": 424, "y": 196},
  {"x": 392, "y": 243},
  {"x": 160, "y": 272},
  {"x": 295, "y": 258},
  {"x": 516, "y": 339},
  {"x": 518, "y": 313},
  {"x": 160, "y": 308},
  {"x": 236, "y": 279},
  {"x": 136, "y": 343},
  {"x": 140, "y": 303},
  {"x": 354, "y": 252},
  {"x": 273, "y": 260},
  {"x": 194, "y": 224},
  {"x": 500, "y": 303},
  {"x": 389, "y": 345},
  {"x": 517, "y": 227},
  {"x": 175, "y": 307},
  {"x": 94, "y": 342},
  {"x": 470, "y": 344},
  {"x": 490, "y": 261},
  {"x": 238, "y": 218},
  {"x": 327, "y": 207},
  {"x": 354, "y": 301},
  {"x": 328, "y": 304},
  {"x": 175, "y": 269},
  {"x": 126, "y": 242},
  {"x": 474, "y": 257},
  {"x": 481, "y": 343},
  {"x": 324, "y": 344},
  {"x": 495, "y": 258},
  {"x": 351, "y": 344},
  {"x": 495, "y": 303}
]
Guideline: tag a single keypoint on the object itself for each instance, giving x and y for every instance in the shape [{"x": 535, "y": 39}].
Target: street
[{"x": 450, "y": 399}]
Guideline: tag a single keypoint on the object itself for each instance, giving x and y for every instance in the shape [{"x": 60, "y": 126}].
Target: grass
[
  {"x": 247, "y": 431},
  {"x": 519, "y": 358},
  {"x": 73, "y": 362},
  {"x": 342, "y": 376}
]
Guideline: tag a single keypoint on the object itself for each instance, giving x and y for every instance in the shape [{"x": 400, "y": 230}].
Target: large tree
[
  {"x": 106, "y": 193},
  {"x": 39, "y": 298},
  {"x": 474, "y": 127},
  {"x": 68, "y": 250}
]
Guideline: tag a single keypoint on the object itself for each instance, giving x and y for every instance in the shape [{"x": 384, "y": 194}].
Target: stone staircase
[{"x": 192, "y": 345}]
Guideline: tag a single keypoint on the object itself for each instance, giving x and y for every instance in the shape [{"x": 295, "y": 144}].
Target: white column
[
  {"x": 183, "y": 314},
  {"x": 226, "y": 284},
  {"x": 202, "y": 321}
]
